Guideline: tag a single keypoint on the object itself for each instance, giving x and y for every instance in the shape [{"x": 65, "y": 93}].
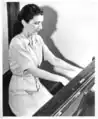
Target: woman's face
[{"x": 34, "y": 25}]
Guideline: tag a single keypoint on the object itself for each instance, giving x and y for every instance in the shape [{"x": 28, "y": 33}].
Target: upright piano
[{"x": 68, "y": 99}]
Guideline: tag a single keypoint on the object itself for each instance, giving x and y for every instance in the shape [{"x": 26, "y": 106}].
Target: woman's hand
[
  {"x": 67, "y": 73},
  {"x": 63, "y": 80}
]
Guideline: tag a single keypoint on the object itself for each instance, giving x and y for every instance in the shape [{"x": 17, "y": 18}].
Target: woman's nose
[{"x": 40, "y": 26}]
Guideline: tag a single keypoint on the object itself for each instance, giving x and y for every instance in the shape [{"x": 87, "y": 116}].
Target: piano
[{"x": 72, "y": 94}]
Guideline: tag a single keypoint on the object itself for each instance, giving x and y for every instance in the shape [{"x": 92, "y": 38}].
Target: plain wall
[{"x": 76, "y": 34}]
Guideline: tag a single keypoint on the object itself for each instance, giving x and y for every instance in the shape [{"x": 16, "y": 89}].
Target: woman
[{"x": 26, "y": 93}]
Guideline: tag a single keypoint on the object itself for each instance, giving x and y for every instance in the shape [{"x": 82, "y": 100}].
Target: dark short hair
[{"x": 29, "y": 11}]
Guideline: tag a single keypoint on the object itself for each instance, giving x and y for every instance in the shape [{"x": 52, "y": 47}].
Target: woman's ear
[{"x": 23, "y": 23}]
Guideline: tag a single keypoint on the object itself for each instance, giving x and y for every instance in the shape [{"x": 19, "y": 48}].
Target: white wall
[
  {"x": 77, "y": 31},
  {"x": 76, "y": 28},
  {"x": 5, "y": 39}
]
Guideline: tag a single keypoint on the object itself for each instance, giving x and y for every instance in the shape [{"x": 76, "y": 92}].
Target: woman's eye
[{"x": 37, "y": 23}]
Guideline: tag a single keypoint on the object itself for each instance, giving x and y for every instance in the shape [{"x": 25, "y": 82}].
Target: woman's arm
[
  {"x": 55, "y": 61},
  {"x": 67, "y": 73},
  {"x": 37, "y": 72},
  {"x": 60, "y": 66},
  {"x": 65, "y": 69}
]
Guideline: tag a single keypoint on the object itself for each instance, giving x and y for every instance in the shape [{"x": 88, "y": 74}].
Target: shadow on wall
[{"x": 49, "y": 27}]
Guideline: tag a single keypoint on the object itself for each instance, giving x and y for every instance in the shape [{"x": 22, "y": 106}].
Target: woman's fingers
[{"x": 63, "y": 80}]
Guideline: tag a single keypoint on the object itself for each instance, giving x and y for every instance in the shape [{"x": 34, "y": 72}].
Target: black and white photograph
[{"x": 48, "y": 58}]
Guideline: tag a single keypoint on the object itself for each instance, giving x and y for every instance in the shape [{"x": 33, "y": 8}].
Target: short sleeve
[
  {"x": 48, "y": 55},
  {"x": 19, "y": 54}
]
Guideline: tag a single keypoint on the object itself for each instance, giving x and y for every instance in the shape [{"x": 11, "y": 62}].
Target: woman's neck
[{"x": 27, "y": 34}]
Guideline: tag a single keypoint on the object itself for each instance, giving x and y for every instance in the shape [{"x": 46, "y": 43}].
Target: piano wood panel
[{"x": 69, "y": 93}]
